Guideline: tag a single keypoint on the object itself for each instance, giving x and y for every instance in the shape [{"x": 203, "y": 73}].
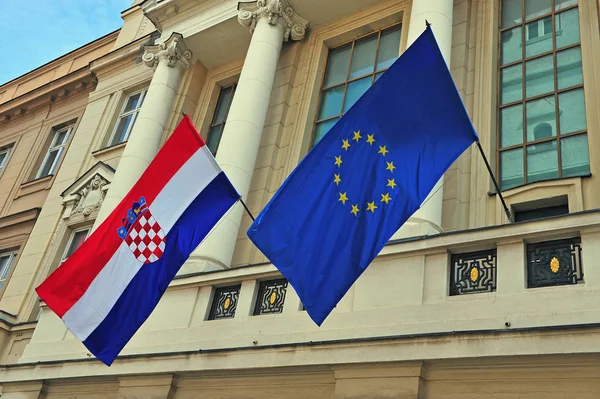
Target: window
[
  {"x": 554, "y": 263},
  {"x": 539, "y": 29},
  {"x": 351, "y": 69},
  {"x": 541, "y": 208},
  {"x": 55, "y": 151},
  {"x": 224, "y": 302},
  {"x": 541, "y": 116},
  {"x": 473, "y": 272},
  {"x": 542, "y": 131},
  {"x": 7, "y": 261},
  {"x": 3, "y": 158},
  {"x": 271, "y": 296},
  {"x": 541, "y": 213},
  {"x": 220, "y": 116},
  {"x": 127, "y": 117},
  {"x": 77, "y": 238}
]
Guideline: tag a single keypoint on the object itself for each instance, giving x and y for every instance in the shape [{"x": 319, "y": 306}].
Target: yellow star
[
  {"x": 336, "y": 179},
  {"x": 371, "y": 206},
  {"x": 338, "y": 161},
  {"x": 370, "y": 138},
  {"x": 390, "y": 166},
  {"x": 385, "y": 198},
  {"x": 343, "y": 198},
  {"x": 345, "y": 145},
  {"x": 391, "y": 183},
  {"x": 357, "y": 136},
  {"x": 383, "y": 150},
  {"x": 355, "y": 210}
]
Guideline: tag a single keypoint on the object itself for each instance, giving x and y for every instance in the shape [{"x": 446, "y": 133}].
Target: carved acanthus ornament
[
  {"x": 171, "y": 51},
  {"x": 276, "y": 12},
  {"x": 91, "y": 196},
  {"x": 87, "y": 199},
  {"x": 85, "y": 196}
]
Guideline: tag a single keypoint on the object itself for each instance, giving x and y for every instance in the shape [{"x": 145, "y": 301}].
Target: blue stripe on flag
[{"x": 142, "y": 294}]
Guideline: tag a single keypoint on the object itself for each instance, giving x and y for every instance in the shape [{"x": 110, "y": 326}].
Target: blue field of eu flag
[{"x": 365, "y": 178}]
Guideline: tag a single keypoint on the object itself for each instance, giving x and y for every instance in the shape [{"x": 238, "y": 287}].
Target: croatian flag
[{"x": 107, "y": 289}]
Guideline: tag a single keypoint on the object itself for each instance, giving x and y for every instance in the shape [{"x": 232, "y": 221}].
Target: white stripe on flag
[{"x": 102, "y": 294}]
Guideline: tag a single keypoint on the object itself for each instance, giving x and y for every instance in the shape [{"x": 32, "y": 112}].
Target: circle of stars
[{"x": 369, "y": 206}]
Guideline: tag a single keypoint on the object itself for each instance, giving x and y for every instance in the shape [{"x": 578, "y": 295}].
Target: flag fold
[
  {"x": 107, "y": 289},
  {"x": 365, "y": 178}
]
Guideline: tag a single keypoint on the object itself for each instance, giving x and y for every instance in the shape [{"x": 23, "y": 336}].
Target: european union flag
[{"x": 365, "y": 178}]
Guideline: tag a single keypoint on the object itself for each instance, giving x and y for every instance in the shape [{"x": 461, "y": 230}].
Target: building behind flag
[
  {"x": 487, "y": 308},
  {"x": 367, "y": 176},
  {"x": 111, "y": 284}
]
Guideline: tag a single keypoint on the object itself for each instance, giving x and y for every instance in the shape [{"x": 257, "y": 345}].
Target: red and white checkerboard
[{"x": 146, "y": 239}]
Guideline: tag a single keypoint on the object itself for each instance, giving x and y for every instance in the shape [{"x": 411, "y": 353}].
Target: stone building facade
[{"x": 460, "y": 304}]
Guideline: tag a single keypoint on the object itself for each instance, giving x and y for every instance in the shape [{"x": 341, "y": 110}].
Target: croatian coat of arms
[{"x": 142, "y": 233}]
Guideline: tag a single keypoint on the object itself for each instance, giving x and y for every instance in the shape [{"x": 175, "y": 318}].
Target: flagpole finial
[{"x": 427, "y": 24}]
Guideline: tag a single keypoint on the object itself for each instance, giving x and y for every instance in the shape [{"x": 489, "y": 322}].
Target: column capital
[
  {"x": 172, "y": 50},
  {"x": 277, "y": 12}
]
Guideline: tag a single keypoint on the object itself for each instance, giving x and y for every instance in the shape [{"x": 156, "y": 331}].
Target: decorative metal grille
[
  {"x": 554, "y": 263},
  {"x": 473, "y": 272},
  {"x": 271, "y": 296},
  {"x": 224, "y": 302}
]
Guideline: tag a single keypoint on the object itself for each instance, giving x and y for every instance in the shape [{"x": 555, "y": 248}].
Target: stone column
[
  {"x": 439, "y": 15},
  {"x": 170, "y": 59},
  {"x": 271, "y": 23},
  {"x": 428, "y": 219}
]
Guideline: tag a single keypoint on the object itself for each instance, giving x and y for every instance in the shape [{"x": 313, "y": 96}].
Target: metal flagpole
[
  {"x": 489, "y": 168},
  {"x": 239, "y": 199},
  {"x": 487, "y": 164},
  {"x": 246, "y": 208}
]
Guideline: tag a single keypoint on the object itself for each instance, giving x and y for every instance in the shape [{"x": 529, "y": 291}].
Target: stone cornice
[
  {"x": 513, "y": 349},
  {"x": 87, "y": 48},
  {"x": 131, "y": 10},
  {"x": 171, "y": 51},
  {"x": 68, "y": 85},
  {"x": 277, "y": 12},
  {"x": 21, "y": 217},
  {"x": 563, "y": 226},
  {"x": 132, "y": 51},
  {"x": 63, "y": 85},
  {"x": 163, "y": 12}
]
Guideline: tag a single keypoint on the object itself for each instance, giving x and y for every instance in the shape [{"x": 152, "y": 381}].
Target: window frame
[
  {"x": 348, "y": 80},
  {"x": 122, "y": 114},
  {"x": 54, "y": 147},
  {"x": 557, "y": 137},
  {"x": 222, "y": 124},
  {"x": 4, "y": 160},
  {"x": 64, "y": 256},
  {"x": 12, "y": 254}
]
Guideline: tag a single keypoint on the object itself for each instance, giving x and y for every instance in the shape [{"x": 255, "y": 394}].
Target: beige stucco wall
[
  {"x": 397, "y": 333},
  {"x": 31, "y": 106},
  {"x": 411, "y": 297}
]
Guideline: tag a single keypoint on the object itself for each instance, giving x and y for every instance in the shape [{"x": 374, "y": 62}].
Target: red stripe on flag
[{"x": 63, "y": 288}]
